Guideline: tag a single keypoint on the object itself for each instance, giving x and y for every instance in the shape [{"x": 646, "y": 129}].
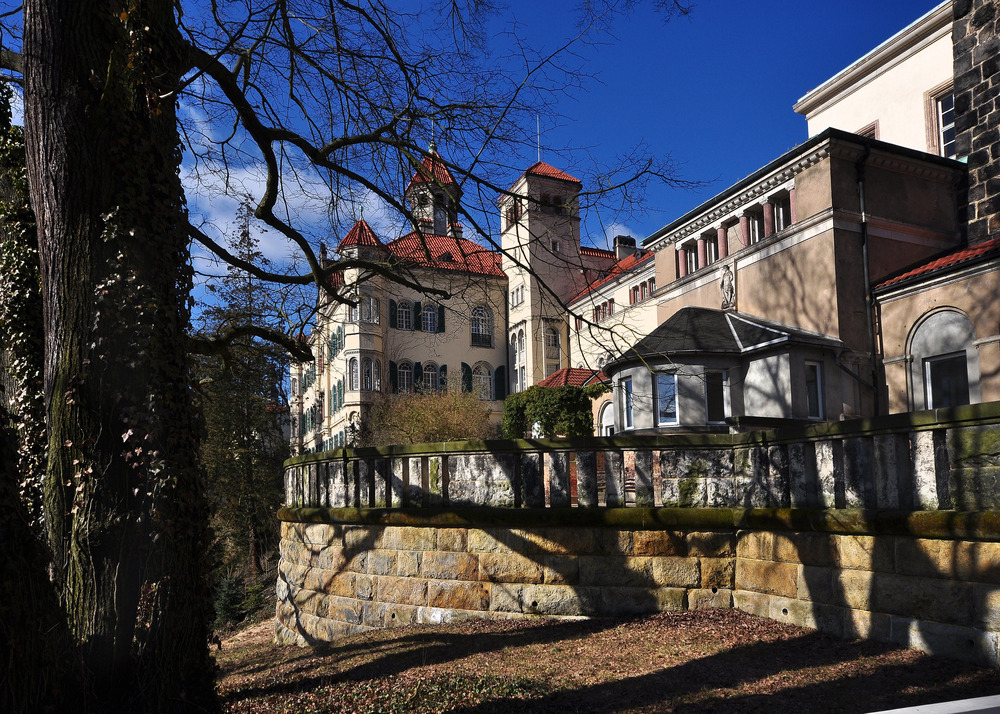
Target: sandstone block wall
[
  {"x": 940, "y": 596},
  {"x": 925, "y": 580},
  {"x": 337, "y": 579}
]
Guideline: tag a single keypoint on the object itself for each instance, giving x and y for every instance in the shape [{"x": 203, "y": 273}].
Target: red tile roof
[
  {"x": 623, "y": 266},
  {"x": 541, "y": 168},
  {"x": 948, "y": 260},
  {"x": 431, "y": 168},
  {"x": 572, "y": 376},
  {"x": 446, "y": 253},
  {"x": 360, "y": 234}
]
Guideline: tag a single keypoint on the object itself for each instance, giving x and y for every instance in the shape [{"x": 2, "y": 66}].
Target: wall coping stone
[
  {"x": 964, "y": 416},
  {"x": 961, "y": 525}
]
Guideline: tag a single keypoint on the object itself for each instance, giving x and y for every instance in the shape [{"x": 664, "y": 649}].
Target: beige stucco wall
[
  {"x": 976, "y": 297},
  {"x": 616, "y": 333},
  {"x": 894, "y": 98}
]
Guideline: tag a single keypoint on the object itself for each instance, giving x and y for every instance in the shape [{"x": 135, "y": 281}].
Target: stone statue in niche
[{"x": 728, "y": 289}]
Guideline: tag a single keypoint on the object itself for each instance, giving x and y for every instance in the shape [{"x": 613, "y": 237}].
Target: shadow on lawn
[{"x": 685, "y": 687}]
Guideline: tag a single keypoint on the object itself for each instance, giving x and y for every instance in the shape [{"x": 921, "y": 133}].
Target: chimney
[
  {"x": 624, "y": 247},
  {"x": 977, "y": 119}
]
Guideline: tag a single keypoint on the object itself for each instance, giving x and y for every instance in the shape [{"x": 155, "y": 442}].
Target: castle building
[
  {"x": 439, "y": 324},
  {"x": 855, "y": 275}
]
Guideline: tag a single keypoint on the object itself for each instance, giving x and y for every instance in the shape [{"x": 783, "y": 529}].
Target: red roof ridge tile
[
  {"x": 946, "y": 260},
  {"x": 540, "y": 168}
]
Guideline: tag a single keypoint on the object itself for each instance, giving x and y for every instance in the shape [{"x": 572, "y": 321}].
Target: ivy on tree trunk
[{"x": 123, "y": 493}]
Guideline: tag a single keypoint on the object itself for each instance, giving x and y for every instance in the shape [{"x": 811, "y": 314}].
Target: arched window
[
  {"x": 482, "y": 327},
  {"x": 367, "y": 376},
  {"x": 404, "y": 377},
  {"x": 482, "y": 381},
  {"x": 944, "y": 361},
  {"x": 607, "y": 419},
  {"x": 353, "y": 374},
  {"x": 404, "y": 315},
  {"x": 430, "y": 318},
  {"x": 522, "y": 358},
  {"x": 430, "y": 380}
]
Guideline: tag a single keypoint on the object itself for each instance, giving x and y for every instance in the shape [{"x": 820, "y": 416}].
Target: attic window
[{"x": 446, "y": 257}]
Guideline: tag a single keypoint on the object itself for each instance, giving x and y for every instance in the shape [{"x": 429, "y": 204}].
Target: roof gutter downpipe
[{"x": 869, "y": 299}]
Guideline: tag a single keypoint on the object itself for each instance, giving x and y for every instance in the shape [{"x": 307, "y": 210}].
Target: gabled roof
[
  {"x": 629, "y": 262},
  {"x": 943, "y": 262},
  {"x": 540, "y": 168},
  {"x": 706, "y": 331},
  {"x": 571, "y": 376},
  {"x": 432, "y": 169},
  {"x": 446, "y": 253},
  {"x": 360, "y": 234}
]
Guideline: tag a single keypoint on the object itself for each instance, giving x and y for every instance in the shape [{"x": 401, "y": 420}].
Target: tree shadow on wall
[{"x": 920, "y": 579}]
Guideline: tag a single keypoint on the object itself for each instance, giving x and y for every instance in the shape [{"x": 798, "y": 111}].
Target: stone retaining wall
[{"x": 927, "y": 580}]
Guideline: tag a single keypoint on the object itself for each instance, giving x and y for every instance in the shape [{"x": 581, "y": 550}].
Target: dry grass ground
[{"x": 707, "y": 661}]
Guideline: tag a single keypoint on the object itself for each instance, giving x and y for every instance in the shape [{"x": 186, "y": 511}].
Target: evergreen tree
[{"x": 245, "y": 410}]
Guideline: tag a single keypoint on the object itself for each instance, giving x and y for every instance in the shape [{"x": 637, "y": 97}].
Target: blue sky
[{"x": 714, "y": 90}]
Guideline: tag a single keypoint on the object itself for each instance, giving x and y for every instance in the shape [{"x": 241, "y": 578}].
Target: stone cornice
[{"x": 908, "y": 41}]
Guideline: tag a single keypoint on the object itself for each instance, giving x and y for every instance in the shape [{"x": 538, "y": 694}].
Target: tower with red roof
[{"x": 545, "y": 267}]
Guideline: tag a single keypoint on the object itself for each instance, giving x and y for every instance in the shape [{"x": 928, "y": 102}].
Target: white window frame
[
  {"x": 430, "y": 378},
  {"x": 482, "y": 381},
  {"x": 481, "y": 326},
  {"x": 404, "y": 315},
  {"x": 657, "y": 395},
  {"x": 628, "y": 403},
  {"x": 404, "y": 378},
  {"x": 429, "y": 318}
]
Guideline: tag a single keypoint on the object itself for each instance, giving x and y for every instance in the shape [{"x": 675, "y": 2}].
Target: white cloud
[{"x": 619, "y": 229}]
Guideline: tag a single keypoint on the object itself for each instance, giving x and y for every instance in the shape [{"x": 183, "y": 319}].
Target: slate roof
[
  {"x": 706, "y": 331},
  {"x": 446, "y": 253},
  {"x": 572, "y": 376},
  {"x": 618, "y": 269},
  {"x": 943, "y": 262}
]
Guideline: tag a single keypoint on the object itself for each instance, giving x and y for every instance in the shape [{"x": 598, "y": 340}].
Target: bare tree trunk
[{"x": 124, "y": 498}]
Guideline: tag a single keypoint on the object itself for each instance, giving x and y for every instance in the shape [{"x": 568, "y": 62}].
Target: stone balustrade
[{"x": 940, "y": 459}]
